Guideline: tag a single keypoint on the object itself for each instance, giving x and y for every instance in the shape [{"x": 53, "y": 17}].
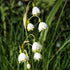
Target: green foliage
[{"x": 45, "y": 3}]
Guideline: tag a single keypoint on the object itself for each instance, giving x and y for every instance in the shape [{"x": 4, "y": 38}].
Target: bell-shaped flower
[
  {"x": 36, "y": 47},
  {"x": 42, "y": 26},
  {"x": 37, "y": 56},
  {"x": 28, "y": 66},
  {"x": 57, "y": 45},
  {"x": 22, "y": 57},
  {"x": 30, "y": 26},
  {"x": 35, "y": 10},
  {"x": 20, "y": 3}
]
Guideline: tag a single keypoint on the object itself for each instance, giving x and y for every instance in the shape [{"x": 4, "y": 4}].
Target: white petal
[
  {"x": 20, "y": 3},
  {"x": 36, "y": 47},
  {"x": 30, "y": 26},
  {"x": 28, "y": 66},
  {"x": 35, "y": 10},
  {"x": 42, "y": 25},
  {"x": 37, "y": 56},
  {"x": 22, "y": 57}
]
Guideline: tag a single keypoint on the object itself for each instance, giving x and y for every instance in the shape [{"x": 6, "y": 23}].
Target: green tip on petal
[
  {"x": 39, "y": 31},
  {"x": 25, "y": 59},
  {"x": 38, "y": 50},
  {"x": 32, "y": 28},
  {"x": 42, "y": 28},
  {"x": 34, "y": 50},
  {"x": 39, "y": 12},
  {"x": 38, "y": 59}
]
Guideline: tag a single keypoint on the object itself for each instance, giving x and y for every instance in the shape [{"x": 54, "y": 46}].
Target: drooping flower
[
  {"x": 42, "y": 26},
  {"x": 28, "y": 66},
  {"x": 36, "y": 47},
  {"x": 20, "y": 3},
  {"x": 35, "y": 10},
  {"x": 37, "y": 56},
  {"x": 30, "y": 26},
  {"x": 22, "y": 57},
  {"x": 57, "y": 45}
]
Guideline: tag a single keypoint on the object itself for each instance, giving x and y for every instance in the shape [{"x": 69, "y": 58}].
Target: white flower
[
  {"x": 42, "y": 25},
  {"x": 22, "y": 57},
  {"x": 30, "y": 26},
  {"x": 20, "y": 3},
  {"x": 36, "y": 47},
  {"x": 28, "y": 66},
  {"x": 35, "y": 10},
  {"x": 37, "y": 56},
  {"x": 58, "y": 45}
]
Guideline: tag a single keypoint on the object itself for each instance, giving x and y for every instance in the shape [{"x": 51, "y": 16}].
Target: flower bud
[{"x": 28, "y": 66}]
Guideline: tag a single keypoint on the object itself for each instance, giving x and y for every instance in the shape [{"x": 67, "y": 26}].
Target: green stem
[
  {"x": 28, "y": 4},
  {"x": 33, "y": 16},
  {"x": 58, "y": 21},
  {"x": 17, "y": 65},
  {"x": 26, "y": 35},
  {"x": 3, "y": 20},
  {"x": 28, "y": 44},
  {"x": 25, "y": 66},
  {"x": 33, "y": 37},
  {"x": 4, "y": 30}
]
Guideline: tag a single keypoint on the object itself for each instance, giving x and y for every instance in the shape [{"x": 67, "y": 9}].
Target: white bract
[
  {"x": 42, "y": 26},
  {"x": 37, "y": 56},
  {"x": 20, "y": 3},
  {"x": 35, "y": 10},
  {"x": 30, "y": 26},
  {"x": 36, "y": 47},
  {"x": 28, "y": 66},
  {"x": 22, "y": 57}
]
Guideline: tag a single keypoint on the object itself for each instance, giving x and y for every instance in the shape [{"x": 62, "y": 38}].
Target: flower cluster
[
  {"x": 23, "y": 56},
  {"x": 36, "y": 46},
  {"x": 42, "y": 25}
]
